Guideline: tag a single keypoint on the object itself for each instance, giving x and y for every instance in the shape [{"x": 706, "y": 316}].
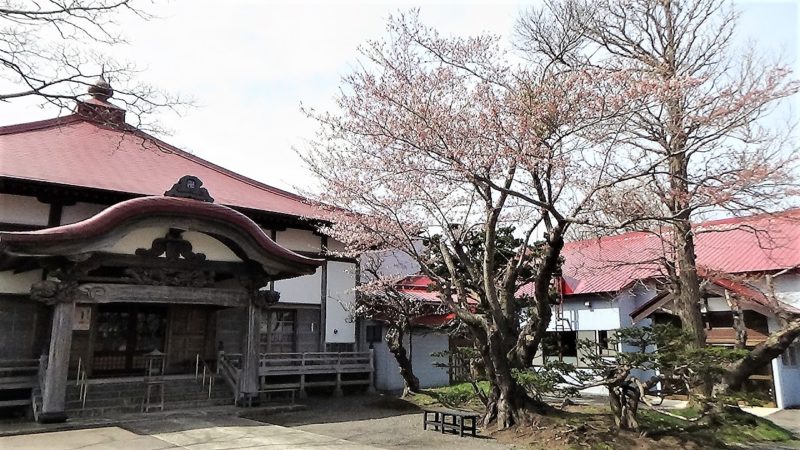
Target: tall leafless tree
[
  {"x": 53, "y": 50},
  {"x": 703, "y": 136}
]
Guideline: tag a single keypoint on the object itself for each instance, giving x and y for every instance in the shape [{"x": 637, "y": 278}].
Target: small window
[
  {"x": 374, "y": 334},
  {"x": 604, "y": 346},
  {"x": 560, "y": 344},
  {"x": 339, "y": 347}
]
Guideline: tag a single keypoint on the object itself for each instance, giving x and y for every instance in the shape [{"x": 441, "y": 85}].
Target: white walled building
[{"x": 614, "y": 282}]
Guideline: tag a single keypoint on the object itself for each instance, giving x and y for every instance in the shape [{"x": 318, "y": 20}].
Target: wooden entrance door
[
  {"x": 125, "y": 332},
  {"x": 191, "y": 334}
]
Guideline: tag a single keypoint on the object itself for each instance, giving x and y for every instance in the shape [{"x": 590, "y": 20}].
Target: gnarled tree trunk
[
  {"x": 394, "y": 340},
  {"x": 624, "y": 402},
  {"x": 762, "y": 354}
]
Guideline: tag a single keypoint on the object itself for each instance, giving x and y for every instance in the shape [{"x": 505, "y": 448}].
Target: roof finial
[{"x": 101, "y": 89}]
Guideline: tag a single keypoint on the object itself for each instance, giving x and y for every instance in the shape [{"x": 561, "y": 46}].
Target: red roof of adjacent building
[
  {"x": 75, "y": 151},
  {"x": 753, "y": 244}
]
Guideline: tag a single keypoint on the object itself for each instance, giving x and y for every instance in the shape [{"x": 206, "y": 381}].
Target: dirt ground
[
  {"x": 385, "y": 421},
  {"x": 381, "y": 421}
]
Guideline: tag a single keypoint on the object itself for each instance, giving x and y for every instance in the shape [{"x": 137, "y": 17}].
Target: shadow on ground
[
  {"x": 382, "y": 421},
  {"x": 326, "y": 409}
]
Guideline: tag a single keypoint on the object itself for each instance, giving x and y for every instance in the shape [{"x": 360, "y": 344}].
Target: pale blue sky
[{"x": 250, "y": 64}]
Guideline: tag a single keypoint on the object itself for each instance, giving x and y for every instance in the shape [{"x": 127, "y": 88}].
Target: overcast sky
[{"x": 249, "y": 65}]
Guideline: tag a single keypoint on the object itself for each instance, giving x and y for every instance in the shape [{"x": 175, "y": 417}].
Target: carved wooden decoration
[
  {"x": 190, "y": 187},
  {"x": 173, "y": 247},
  {"x": 169, "y": 277},
  {"x": 265, "y": 299}
]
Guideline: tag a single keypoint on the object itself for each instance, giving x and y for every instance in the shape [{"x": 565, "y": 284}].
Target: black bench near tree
[{"x": 442, "y": 419}]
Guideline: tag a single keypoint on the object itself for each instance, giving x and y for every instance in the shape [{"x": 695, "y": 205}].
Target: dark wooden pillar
[
  {"x": 248, "y": 381},
  {"x": 55, "y": 379}
]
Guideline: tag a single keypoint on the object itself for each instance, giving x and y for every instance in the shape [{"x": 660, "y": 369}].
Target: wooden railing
[
  {"x": 319, "y": 362},
  {"x": 229, "y": 367},
  {"x": 81, "y": 382},
  {"x": 284, "y": 371},
  {"x": 203, "y": 370}
]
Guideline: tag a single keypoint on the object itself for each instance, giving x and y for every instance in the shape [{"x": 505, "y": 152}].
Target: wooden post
[
  {"x": 337, "y": 392},
  {"x": 371, "y": 386},
  {"x": 55, "y": 379},
  {"x": 302, "y": 393},
  {"x": 249, "y": 381}
]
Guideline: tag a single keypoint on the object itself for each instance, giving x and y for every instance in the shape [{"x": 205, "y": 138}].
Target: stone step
[
  {"x": 101, "y": 411},
  {"x": 134, "y": 389},
  {"x": 137, "y": 399},
  {"x": 74, "y": 394}
]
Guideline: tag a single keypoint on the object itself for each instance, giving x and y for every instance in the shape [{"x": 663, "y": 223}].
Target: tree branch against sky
[
  {"x": 704, "y": 130},
  {"x": 51, "y": 50},
  {"x": 444, "y": 140}
]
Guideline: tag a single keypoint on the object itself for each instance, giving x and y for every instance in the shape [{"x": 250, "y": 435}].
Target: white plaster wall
[
  {"x": 209, "y": 246},
  {"x": 79, "y": 211},
  {"x": 335, "y": 246},
  {"x": 22, "y": 209},
  {"x": 18, "y": 283},
  {"x": 341, "y": 295},
  {"x": 299, "y": 240},
  {"x": 306, "y": 289},
  {"x": 421, "y": 345},
  {"x": 138, "y": 238},
  {"x": 787, "y": 288},
  {"x": 201, "y": 243},
  {"x": 603, "y": 315},
  {"x": 786, "y": 379}
]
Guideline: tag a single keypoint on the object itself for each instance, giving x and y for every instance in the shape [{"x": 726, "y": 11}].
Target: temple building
[{"x": 122, "y": 256}]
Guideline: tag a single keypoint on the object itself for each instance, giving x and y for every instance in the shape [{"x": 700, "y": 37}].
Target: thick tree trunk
[
  {"x": 762, "y": 354},
  {"x": 508, "y": 403},
  {"x": 394, "y": 340},
  {"x": 624, "y": 403},
  {"x": 687, "y": 295}
]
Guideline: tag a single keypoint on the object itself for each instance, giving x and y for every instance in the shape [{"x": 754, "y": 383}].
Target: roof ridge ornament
[
  {"x": 101, "y": 89},
  {"x": 189, "y": 186}
]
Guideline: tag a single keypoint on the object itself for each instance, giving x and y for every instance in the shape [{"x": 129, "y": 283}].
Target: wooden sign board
[{"x": 83, "y": 318}]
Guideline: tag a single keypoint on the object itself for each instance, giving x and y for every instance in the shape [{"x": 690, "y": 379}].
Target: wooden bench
[{"x": 459, "y": 421}]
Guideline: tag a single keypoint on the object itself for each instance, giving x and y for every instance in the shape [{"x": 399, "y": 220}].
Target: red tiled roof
[
  {"x": 74, "y": 151},
  {"x": 759, "y": 243},
  {"x": 417, "y": 286}
]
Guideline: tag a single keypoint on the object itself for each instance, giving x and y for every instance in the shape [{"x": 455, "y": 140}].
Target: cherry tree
[{"x": 438, "y": 146}]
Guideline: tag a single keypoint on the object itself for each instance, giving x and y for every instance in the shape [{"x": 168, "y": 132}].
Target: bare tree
[
  {"x": 51, "y": 50},
  {"x": 702, "y": 136}
]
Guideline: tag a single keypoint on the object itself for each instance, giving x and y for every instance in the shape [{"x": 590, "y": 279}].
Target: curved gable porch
[{"x": 176, "y": 275}]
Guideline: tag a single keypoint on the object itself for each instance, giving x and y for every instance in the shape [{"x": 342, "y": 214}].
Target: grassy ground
[{"x": 591, "y": 426}]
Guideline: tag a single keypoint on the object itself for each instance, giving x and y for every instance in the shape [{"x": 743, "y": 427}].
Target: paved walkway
[
  {"x": 787, "y": 418},
  {"x": 212, "y": 433}
]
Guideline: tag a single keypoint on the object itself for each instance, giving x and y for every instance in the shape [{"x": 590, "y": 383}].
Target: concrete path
[
  {"x": 787, "y": 418},
  {"x": 217, "y": 433}
]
